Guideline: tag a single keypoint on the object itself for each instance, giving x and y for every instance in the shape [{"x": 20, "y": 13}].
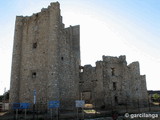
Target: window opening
[
  {"x": 34, "y": 75},
  {"x": 116, "y": 99},
  {"x": 113, "y": 71},
  {"x": 114, "y": 86},
  {"x": 35, "y": 45}
]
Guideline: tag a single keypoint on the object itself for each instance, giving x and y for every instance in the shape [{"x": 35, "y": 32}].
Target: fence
[{"x": 41, "y": 111}]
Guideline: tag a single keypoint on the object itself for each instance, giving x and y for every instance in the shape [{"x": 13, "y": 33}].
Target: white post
[
  {"x": 57, "y": 114},
  {"x": 77, "y": 114},
  {"x": 25, "y": 113},
  {"x": 34, "y": 101},
  {"x": 83, "y": 112},
  {"x": 51, "y": 114},
  {"x": 16, "y": 114},
  {"x": 81, "y": 95}
]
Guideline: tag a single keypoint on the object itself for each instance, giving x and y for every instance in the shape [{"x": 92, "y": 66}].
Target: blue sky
[{"x": 108, "y": 27}]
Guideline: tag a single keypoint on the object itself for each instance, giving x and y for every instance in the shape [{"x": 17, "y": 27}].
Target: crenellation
[
  {"x": 44, "y": 10},
  {"x": 134, "y": 68},
  {"x": 99, "y": 64},
  {"x": 122, "y": 59},
  {"x": 55, "y": 4}
]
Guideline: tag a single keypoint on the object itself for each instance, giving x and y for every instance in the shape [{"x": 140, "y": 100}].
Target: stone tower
[{"x": 46, "y": 58}]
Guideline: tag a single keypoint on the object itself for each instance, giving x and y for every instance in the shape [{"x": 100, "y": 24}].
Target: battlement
[
  {"x": 134, "y": 64},
  {"x": 134, "y": 68},
  {"x": 55, "y": 6},
  {"x": 112, "y": 59}
]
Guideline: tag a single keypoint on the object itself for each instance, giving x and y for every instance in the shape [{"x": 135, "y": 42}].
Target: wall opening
[
  {"x": 114, "y": 85},
  {"x": 116, "y": 99},
  {"x": 35, "y": 45},
  {"x": 81, "y": 68},
  {"x": 86, "y": 96},
  {"x": 112, "y": 71},
  {"x": 34, "y": 74},
  {"x": 62, "y": 58}
]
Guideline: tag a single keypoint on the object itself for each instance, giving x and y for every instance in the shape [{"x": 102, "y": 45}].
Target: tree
[{"x": 156, "y": 97}]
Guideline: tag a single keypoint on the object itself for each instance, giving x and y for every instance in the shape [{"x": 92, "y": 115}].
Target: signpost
[
  {"x": 17, "y": 106},
  {"x": 54, "y": 104},
  {"x": 21, "y": 105},
  {"x": 80, "y": 104},
  {"x": 34, "y": 102},
  {"x": 34, "y": 94}
]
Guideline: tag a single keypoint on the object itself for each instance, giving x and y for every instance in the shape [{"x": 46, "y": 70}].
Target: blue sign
[
  {"x": 21, "y": 105},
  {"x": 16, "y": 105},
  {"x": 80, "y": 103},
  {"x": 53, "y": 104}
]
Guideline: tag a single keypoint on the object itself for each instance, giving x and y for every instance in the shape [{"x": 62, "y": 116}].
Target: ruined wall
[
  {"x": 87, "y": 83},
  {"x": 116, "y": 84},
  {"x": 114, "y": 78},
  {"x": 99, "y": 97},
  {"x": 137, "y": 85},
  {"x": 46, "y": 58}
]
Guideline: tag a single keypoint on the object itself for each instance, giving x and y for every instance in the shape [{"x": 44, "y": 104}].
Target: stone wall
[
  {"x": 114, "y": 83},
  {"x": 46, "y": 58},
  {"x": 15, "y": 74}
]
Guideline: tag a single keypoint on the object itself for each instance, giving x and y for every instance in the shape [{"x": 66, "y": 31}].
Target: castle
[{"x": 46, "y": 58}]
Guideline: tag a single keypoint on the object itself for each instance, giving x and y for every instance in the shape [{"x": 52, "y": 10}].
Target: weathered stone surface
[
  {"x": 46, "y": 58},
  {"x": 113, "y": 83}
]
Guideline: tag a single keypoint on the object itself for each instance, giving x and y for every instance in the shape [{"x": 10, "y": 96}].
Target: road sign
[
  {"x": 53, "y": 104},
  {"x": 80, "y": 103},
  {"x": 16, "y": 105},
  {"x": 21, "y": 105}
]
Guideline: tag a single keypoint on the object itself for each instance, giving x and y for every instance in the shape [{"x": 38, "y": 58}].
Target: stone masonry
[
  {"x": 113, "y": 83},
  {"x": 46, "y": 58}
]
